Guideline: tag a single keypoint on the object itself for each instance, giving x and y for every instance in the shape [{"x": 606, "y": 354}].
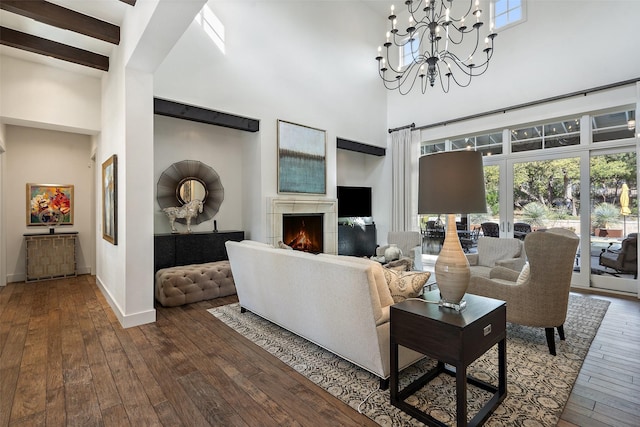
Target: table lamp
[{"x": 451, "y": 183}]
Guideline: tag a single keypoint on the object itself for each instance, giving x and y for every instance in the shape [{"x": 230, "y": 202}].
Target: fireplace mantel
[{"x": 278, "y": 206}]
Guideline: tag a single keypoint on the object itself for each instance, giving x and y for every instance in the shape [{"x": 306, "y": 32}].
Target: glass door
[{"x": 613, "y": 201}]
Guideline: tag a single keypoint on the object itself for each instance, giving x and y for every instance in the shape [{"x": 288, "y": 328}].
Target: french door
[{"x": 580, "y": 192}]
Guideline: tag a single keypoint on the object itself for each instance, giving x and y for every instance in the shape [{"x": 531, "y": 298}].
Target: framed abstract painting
[
  {"x": 49, "y": 204},
  {"x": 301, "y": 159},
  {"x": 110, "y": 200}
]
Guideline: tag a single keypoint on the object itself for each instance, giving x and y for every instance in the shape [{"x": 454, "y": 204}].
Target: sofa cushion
[{"x": 405, "y": 284}]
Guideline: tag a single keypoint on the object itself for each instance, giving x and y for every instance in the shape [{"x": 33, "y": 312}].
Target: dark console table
[
  {"x": 193, "y": 248},
  {"x": 452, "y": 338}
]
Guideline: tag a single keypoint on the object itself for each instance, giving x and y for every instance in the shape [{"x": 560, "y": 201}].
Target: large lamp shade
[{"x": 450, "y": 183}]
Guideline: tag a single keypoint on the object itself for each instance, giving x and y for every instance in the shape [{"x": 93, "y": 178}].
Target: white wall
[
  {"x": 40, "y": 98},
  {"x": 284, "y": 61},
  {"x": 47, "y": 157},
  {"x": 33, "y": 94},
  {"x": 220, "y": 148},
  {"x": 563, "y": 47}
]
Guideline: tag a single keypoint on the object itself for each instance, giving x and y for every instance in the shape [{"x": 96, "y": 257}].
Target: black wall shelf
[
  {"x": 359, "y": 147},
  {"x": 177, "y": 110}
]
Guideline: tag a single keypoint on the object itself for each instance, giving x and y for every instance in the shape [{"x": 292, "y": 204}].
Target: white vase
[{"x": 392, "y": 253}]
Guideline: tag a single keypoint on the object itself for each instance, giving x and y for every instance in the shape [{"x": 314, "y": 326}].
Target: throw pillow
[
  {"x": 402, "y": 264},
  {"x": 524, "y": 274},
  {"x": 405, "y": 284}
]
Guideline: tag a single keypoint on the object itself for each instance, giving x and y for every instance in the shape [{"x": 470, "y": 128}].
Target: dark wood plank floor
[{"x": 65, "y": 360}]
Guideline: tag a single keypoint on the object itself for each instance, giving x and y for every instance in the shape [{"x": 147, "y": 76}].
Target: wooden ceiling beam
[
  {"x": 58, "y": 16},
  {"x": 19, "y": 40}
]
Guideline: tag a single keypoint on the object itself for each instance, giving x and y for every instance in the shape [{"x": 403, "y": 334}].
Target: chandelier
[{"x": 423, "y": 49}]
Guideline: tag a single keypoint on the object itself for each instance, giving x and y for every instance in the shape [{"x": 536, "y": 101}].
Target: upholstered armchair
[
  {"x": 492, "y": 251},
  {"x": 623, "y": 260},
  {"x": 409, "y": 242},
  {"x": 538, "y": 296}
]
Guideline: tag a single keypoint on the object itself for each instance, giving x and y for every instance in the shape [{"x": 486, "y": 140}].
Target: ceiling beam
[
  {"x": 58, "y": 16},
  {"x": 19, "y": 40},
  {"x": 130, "y": 2}
]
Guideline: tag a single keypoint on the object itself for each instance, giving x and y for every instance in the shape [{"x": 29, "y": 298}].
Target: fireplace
[
  {"x": 327, "y": 209},
  {"x": 303, "y": 232}
]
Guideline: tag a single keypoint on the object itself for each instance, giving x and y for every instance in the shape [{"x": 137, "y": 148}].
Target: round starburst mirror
[{"x": 188, "y": 180}]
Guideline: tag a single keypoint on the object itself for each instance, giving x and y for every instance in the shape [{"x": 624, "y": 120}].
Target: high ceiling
[{"x": 75, "y": 34}]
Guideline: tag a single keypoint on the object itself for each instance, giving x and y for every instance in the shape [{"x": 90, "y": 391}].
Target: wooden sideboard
[
  {"x": 175, "y": 249},
  {"x": 50, "y": 256}
]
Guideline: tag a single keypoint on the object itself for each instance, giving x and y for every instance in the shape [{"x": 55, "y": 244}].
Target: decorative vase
[
  {"x": 452, "y": 269},
  {"x": 392, "y": 253}
]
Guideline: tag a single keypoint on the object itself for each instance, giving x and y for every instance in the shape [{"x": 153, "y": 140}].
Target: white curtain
[{"x": 404, "y": 199}]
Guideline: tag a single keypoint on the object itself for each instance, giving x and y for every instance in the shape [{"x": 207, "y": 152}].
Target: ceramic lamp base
[{"x": 452, "y": 268}]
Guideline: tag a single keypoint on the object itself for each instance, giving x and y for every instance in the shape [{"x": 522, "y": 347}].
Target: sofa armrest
[
  {"x": 417, "y": 258},
  {"x": 386, "y": 316},
  {"x": 512, "y": 263},
  {"x": 504, "y": 274},
  {"x": 472, "y": 258}
]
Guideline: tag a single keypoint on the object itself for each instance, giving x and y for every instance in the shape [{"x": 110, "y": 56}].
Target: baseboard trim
[{"x": 126, "y": 320}]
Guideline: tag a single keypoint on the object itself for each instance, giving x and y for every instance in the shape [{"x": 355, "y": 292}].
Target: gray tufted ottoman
[{"x": 191, "y": 283}]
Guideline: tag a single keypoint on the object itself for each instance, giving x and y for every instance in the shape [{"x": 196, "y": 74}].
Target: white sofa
[{"x": 340, "y": 303}]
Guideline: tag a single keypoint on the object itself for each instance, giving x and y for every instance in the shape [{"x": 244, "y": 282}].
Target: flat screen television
[{"x": 354, "y": 201}]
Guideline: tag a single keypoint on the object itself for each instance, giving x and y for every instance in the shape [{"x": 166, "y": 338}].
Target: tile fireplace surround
[{"x": 278, "y": 206}]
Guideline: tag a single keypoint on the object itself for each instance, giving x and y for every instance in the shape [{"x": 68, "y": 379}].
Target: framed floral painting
[{"x": 49, "y": 204}]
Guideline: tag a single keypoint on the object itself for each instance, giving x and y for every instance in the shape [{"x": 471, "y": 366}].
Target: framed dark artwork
[
  {"x": 110, "y": 200},
  {"x": 301, "y": 159},
  {"x": 49, "y": 204}
]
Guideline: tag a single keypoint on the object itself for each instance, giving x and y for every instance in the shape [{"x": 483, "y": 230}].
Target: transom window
[
  {"x": 613, "y": 126},
  {"x": 551, "y": 135}
]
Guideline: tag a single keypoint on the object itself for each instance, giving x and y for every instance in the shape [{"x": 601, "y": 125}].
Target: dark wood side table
[{"x": 453, "y": 338}]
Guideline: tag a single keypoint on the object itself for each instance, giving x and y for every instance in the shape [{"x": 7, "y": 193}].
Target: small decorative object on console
[
  {"x": 189, "y": 210},
  {"x": 392, "y": 253}
]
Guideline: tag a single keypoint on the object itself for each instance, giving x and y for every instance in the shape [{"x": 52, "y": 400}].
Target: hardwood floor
[{"x": 65, "y": 360}]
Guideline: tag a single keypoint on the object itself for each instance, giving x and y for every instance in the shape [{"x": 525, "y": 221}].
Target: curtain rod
[
  {"x": 526, "y": 104},
  {"x": 412, "y": 125}
]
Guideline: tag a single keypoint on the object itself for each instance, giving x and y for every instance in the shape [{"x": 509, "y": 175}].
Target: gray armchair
[
  {"x": 539, "y": 295},
  {"x": 409, "y": 242},
  {"x": 493, "y": 251}
]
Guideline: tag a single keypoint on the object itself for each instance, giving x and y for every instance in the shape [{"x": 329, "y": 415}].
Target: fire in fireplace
[{"x": 303, "y": 232}]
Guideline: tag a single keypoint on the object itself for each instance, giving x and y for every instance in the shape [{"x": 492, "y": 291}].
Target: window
[
  {"x": 488, "y": 145},
  {"x": 432, "y": 147},
  {"x": 507, "y": 12},
  {"x": 551, "y": 135},
  {"x": 212, "y": 26},
  {"x": 409, "y": 51},
  {"x": 612, "y": 126}
]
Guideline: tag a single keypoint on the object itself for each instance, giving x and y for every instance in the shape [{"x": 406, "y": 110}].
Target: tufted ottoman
[{"x": 191, "y": 283}]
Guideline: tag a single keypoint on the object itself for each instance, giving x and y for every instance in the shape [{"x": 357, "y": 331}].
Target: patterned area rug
[{"x": 538, "y": 384}]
